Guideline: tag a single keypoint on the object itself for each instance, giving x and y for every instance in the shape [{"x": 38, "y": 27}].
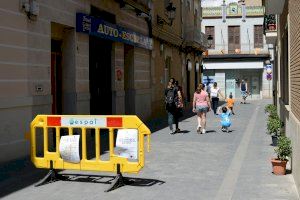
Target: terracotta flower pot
[{"x": 279, "y": 166}]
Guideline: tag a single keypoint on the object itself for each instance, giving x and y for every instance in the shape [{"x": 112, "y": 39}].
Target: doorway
[
  {"x": 129, "y": 79},
  {"x": 100, "y": 76},
  {"x": 188, "y": 77},
  {"x": 100, "y": 68},
  {"x": 196, "y": 76},
  {"x": 56, "y": 76},
  {"x": 167, "y": 70}
]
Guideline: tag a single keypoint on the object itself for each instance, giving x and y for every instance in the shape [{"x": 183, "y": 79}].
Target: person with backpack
[{"x": 172, "y": 96}]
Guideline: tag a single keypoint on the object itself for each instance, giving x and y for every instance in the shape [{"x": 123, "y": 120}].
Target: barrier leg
[
  {"x": 52, "y": 176},
  {"x": 118, "y": 181}
]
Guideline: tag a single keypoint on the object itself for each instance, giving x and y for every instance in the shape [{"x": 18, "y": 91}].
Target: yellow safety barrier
[{"x": 116, "y": 163}]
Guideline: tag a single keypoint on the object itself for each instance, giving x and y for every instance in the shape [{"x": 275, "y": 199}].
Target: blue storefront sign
[{"x": 98, "y": 27}]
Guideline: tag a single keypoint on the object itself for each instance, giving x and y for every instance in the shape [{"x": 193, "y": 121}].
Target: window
[
  {"x": 234, "y": 43},
  {"x": 210, "y": 30},
  {"x": 258, "y": 36},
  {"x": 284, "y": 69}
]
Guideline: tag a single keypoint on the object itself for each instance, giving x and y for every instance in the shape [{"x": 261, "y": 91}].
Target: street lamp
[
  {"x": 210, "y": 40},
  {"x": 170, "y": 13}
]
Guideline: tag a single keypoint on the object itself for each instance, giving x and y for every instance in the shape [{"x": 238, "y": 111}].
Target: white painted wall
[{"x": 246, "y": 33}]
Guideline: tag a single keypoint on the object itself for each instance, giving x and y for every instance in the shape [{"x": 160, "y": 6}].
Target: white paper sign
[
  {"x": 69, "y": 148},
  {"x": 127, "y": 143}
]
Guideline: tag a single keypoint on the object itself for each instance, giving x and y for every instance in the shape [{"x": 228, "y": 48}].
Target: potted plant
[
  {"x": 274, "y": 126},
  {"x": 270, "y": 108},
  {"x": 283, "y": 151}
]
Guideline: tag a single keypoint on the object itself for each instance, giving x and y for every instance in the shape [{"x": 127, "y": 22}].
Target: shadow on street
[{"x": 132, "y": 181}]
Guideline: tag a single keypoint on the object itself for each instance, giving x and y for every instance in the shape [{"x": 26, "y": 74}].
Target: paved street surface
[{"x": 187, "y": 166}]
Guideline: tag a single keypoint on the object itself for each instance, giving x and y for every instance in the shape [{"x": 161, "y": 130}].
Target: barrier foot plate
[
  {"x": 118, "y": 181},
  {"x": 52, "y": 176}
]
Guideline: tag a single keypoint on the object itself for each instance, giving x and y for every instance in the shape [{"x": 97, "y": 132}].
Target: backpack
[{"x": 171, "y": 97}]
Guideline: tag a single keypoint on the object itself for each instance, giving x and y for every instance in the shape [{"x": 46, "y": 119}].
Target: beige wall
[
  {"x": 253, "y": 2},
  {"x": 290, "y": 113},
  {"x": 25, "y": 59}
]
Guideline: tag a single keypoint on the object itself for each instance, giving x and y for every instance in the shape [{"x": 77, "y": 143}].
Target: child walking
[
  {"x": 225, "y": 120},
  {"x": 230, "y": 103}
]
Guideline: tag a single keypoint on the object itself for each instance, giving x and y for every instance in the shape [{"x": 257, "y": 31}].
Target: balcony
[
  {"x": 194, "y": 38},
  {"x": 245, "y": 50},
  {"x": 274, "y": 6},
  {"x": 270, "y": 28}
]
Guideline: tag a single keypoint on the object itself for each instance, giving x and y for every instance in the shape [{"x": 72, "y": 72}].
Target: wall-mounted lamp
[
  {"x": 30, "y": 7},
  {"x": 170, "y": 13}
]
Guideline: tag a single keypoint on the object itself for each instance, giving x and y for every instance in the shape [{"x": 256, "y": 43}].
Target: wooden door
[{"x": 234, "y": 42}]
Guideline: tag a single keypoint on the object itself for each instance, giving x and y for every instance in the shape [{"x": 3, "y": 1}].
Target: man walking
[{"x": 243, "y": 89}]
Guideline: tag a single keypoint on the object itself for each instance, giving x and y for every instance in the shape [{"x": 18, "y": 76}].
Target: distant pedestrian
[
  {"x": 225, "y": 120},
  {"x": 201, "y": 105},
  {"x": 208, "y": 87},
  {"x": 244, "y": 89},
  {"x": 171, "y": 101},
  {"x": 230, "y": 103},
  {"x": 215, "y": 92}
]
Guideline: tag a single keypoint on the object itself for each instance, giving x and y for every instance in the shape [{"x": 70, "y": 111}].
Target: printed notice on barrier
[
  {"x": 69, "y": 148},
  {"x": 127, "y": 143}
]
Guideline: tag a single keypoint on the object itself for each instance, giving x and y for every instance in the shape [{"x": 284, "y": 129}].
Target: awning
[{"x": 234, "y": 65}]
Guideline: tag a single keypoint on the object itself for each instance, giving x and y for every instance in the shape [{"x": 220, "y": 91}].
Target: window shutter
[
  {"x": 234, "y": 40},
  {"x": 210, "y": 30},
  {"x": 258, "y": 36}
]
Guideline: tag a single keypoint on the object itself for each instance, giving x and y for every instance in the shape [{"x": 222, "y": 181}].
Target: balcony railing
[
  {"x": 194, "y": 36},
  {"x": 270, "y": 24},
  {"x": 244, "y": 48}
]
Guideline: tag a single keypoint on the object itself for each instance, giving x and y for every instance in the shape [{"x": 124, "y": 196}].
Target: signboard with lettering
[{"x": 98, "y": 27}]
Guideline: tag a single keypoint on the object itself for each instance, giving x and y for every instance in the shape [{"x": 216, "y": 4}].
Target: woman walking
[
  {"x": 201, "y": 105},
  {"x": 172, "y": 95},
  {"x": 214, "y": 93}
]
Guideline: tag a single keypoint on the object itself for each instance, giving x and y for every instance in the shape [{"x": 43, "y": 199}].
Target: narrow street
[{"x": 214, "y": 165}]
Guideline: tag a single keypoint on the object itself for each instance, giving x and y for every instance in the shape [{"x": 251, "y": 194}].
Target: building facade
[
  {"x": 239, "y": 50},
  {"x": 89, "y": 57},
  {"x": 282, "y": 30},
  {"x": 71, "y": 57},
  {"x": 177, "y": 49}
]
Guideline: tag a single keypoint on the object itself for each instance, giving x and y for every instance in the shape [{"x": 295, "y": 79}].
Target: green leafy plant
[
  {"x": 284, "y": 148},
  {"x": 271, "y": 109},
  {"x": 274, "y": 126}
]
